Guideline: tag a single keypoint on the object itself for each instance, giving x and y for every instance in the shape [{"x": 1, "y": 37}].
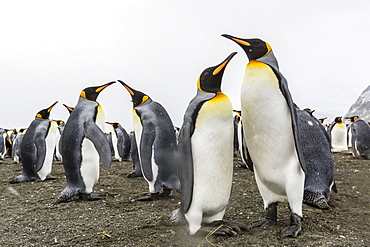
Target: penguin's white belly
[
  {"x": 89, "y": 164},
  {"x": 114, "y": 142},
  {"x": 212, "y": 148},
  {"x": 339, "y": 138},
  {"x": 268, "y": 131},
  {"x": 50, "y": 142}
]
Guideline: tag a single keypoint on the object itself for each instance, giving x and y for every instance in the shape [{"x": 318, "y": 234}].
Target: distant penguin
[
  {"x": 60, "y": 128},
  {"x": 83, "y": 145},
  {"x": 236, "y": 141},
  {"x": 16, "y": 153},
  {"x": 360, "y": 138},
  {"x": 134, "y": 157},
  {"x": 109, "y": 138},
  {"x": 37, "y": 148},
  {"x": 3, "y": 136},
  {"x": 318, "y": 158},
  {"x": 156, "y": 140},
  {"x": 121, "y": 142},
  {"x": 243, "y": 151},
  {"x": 271, "y": 134},
  {"x": 338, "y": 135},
  {"x": 206, "y": 151}
]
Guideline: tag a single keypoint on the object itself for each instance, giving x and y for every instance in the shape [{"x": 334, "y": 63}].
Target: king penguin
[
  {"x": 338, "y": 135},
  {"x": 271, "y": 134},
  {"x": 134, "y": 157},
  {"x": 16, "y": 153},
  {"x": 157, "y": 147},
  {"x": 37, "y": 148},
  {"x": 3, "y": 135},
  {"x": 318, "y": 159},
  {"x": 83, "y": 143},
  {"x": 360, "y": 138},
  {"x": 60, "y": 128},
  {"x": 121, "y": 142},
  {"x": 206, "y": 148}
]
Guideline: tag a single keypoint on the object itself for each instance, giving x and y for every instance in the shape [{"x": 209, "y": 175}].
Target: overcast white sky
[{"x": 52, "y": 50}]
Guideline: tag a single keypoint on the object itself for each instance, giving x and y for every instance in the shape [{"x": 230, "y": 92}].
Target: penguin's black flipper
[
  {"x": 293, "y": 113},
  {"x": 100, "y": 141},
  {"x": 146, "y": 143},
  {"x": 119, "y": 142},
  {"x": 40, "y": 153}
]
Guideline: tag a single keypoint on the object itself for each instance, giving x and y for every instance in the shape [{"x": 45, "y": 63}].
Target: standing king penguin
[
  {"x": 360, "y": 138},
  {"x": 157, "y": 146},
  {"x": 271, "y": 134},
  {"x": 37, "y": 148},
  {"x": 338, "y": 135},
  {"x": 83, "y": 143},
  {"x": 206, "y": 148},
  {"x": 121, "y": 142}
]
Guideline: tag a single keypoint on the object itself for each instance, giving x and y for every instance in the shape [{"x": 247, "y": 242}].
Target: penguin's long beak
[
  {"x": 130, "y": 90},
  {"x": 223, "y": 64},
  {"x": 51, "y": 107},
  {"x": 237, "y": 40},
  {"x": 109, "y": 123},
  {"x": 99, "y": 89}
]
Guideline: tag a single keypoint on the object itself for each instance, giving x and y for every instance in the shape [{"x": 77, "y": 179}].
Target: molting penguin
[
  {"x": 338, "y": 135},
  {"x": 206, "y": 152},
  {"x": 134, "y": 157},
  {"x": 274, "y": 148},
  {"x": 157, "y": 145},
  {"x": 360, "y": 138},
  {"x": 121, "y": 142},
  {"x": 83, "y": 143},
  {"x": 318, "y": 158},
  {"x": 37, "y": 148}
]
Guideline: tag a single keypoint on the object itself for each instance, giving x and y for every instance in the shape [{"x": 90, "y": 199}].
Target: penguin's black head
[
  {"x": 70, "y": 109},
  {"x": 210, "y": 79},
  {"x": 254, "y": 48},
  {"x": 308, "y": 110},
  {"x": 45, "y": 113},
  {"x": 321, "y": 120},
  {"x": 138, "y": 97},
  {"x": 59, "y": 122},
  {"x": 338, "y": 119},
  {"x": 115, "y": 125},
  {"x": 352, "y": 118},
  {"x": 91, "y": 93}
]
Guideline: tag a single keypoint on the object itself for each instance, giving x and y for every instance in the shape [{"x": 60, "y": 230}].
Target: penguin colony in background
[{"x": 288, "y": 149}]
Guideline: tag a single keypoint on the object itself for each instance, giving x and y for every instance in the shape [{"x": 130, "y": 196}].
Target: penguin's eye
[{"x": 250, "y": 50}]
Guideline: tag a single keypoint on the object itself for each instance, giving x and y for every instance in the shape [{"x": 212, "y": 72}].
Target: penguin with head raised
[
  {"x": 83, "y": 144},
  {"x": 318, "y": 159},
  {"x": 121, "y": 142},
  {"x": 206, "y": 153},
  {"x": 360, "y": 138},
  {"x": 16, "y": 152},
  {"x": 37, "y": 148},
  {"x": 70, "y": 109},
  {"x": 338, "y": 135},
  {"x": 157, "y": 147},
  {"x": 274, "y": 148}
]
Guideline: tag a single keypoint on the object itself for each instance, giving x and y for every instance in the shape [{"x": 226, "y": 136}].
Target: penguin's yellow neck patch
[
  {"x": 83, "y": 94},
  {"x": 219, "y": 97},
  {"x": 255, "y": 64}
]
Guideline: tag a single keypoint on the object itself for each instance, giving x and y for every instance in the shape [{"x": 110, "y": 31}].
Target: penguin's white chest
[
  {"x": 339, "y": 137},
  {"x": 212, "y": 148},
  {"x": 50, "y": 142},
  {"x": 267, "y": 127},
  {"x": 90, "y": 156}
]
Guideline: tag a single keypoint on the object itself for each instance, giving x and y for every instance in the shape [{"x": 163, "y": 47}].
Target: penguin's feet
[
  {"x": 166, "y": 192},
  {"x": 148, "y": 197},
  {"x": 270, "y": 219},
  {"x": 263, "y": 223},
  {"x": 294, "y": 228},
  {"x": 90, "y": 197},
  {"x": 134, "y": 174},
  {"x": 223, "y": 228}
]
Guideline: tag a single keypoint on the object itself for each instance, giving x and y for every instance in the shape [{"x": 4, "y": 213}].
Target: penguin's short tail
[{"x": 177, "y": 216}]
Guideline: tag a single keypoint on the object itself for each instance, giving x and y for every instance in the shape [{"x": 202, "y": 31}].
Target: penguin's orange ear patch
[
  {"x": 38, "y": 115},
  {"x": 83, "y": 94}
]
